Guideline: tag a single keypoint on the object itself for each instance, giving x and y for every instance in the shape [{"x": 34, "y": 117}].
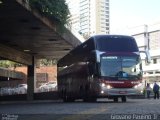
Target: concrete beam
[
  {"x": 15, "y": 55},
  {"x": 54, "y": 25}
]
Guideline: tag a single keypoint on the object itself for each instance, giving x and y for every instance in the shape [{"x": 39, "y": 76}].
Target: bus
[{"x": 104, "y": 66}]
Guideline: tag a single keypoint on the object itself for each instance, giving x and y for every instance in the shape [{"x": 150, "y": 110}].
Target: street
[{"x": 102, "y": 109}]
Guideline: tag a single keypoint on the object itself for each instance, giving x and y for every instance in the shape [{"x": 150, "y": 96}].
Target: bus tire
[
  {"x": 124, "y": 99},
  {"x": 115, "y": 99},
  {"x": 90, "y": 99},
  {"x": 81, "y": 91},
  {"x": 93, "y": 99},
  {"x": 64, "y": 95},
  {"x": 67, "y": 98}
]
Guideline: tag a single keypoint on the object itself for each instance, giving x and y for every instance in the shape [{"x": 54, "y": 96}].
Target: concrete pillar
[{"x": 30, "y": 80}]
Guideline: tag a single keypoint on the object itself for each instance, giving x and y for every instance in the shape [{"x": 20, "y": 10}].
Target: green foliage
[
  {"x": 11, "y": 64},
  {"x": 8, "y": 64},
  {"x": 43, "y": 62},
  {"x": 55, "y": 9},
  {"x": 48, "y": 62}
]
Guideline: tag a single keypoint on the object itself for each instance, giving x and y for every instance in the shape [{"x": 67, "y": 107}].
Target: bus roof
[
  {"x": 115, "y": 43},
  {"x": 106, "y": 43}
]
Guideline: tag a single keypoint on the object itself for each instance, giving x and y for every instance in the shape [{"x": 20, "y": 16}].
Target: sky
[{"x": 128, "y": 14}]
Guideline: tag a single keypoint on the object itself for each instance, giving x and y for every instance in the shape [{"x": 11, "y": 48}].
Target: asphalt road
[{"x": 133, "y": 109}]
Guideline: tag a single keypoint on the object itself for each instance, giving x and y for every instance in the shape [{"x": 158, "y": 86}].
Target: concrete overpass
[{"x": 26, "y": 35}]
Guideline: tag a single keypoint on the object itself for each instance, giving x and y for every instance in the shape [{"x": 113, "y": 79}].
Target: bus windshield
[{"x": 122, "y": 67}]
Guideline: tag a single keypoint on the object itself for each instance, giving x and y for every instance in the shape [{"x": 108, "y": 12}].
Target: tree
[{"x": 55, "y": 9}]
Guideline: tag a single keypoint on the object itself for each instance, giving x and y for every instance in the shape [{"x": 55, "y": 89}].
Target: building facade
[
  {"x": 89, "y": 17},
  {"x": 150, "y": 39},
  {"x": 74, "y": 14}
]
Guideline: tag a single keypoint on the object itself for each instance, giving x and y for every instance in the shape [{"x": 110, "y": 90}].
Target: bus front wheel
[
  {"x": 115, "y": 99},
  {"x": 124, "y": 99},
  {"x": 66, "y": 97}
]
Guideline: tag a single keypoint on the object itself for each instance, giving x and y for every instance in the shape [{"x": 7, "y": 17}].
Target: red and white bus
[{"x": 103, "y": 66}]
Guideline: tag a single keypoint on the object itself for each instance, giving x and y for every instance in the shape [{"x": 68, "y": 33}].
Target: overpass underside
[{"x": 26, "y": 35}]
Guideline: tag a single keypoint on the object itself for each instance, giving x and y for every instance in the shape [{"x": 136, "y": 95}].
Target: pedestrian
[
  {"x": 156, "y": 90},
  {"x": 148, "y": 90}
]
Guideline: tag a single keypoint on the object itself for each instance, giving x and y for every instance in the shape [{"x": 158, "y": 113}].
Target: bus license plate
[{"x": 122, "y": 92}]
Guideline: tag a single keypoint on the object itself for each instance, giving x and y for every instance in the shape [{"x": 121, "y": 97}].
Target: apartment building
[
  {"x": 74, "y": 14},
  {"x": 89, "y": 17}
]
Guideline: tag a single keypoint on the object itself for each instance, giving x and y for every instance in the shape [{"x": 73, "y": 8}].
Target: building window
[
  {"x": 107, "y": 24},
  {"x": 107, "y": 28},
  {"x": 107, "y": 4},
  {"x": 107, "y": 12},
  {"x": 157, "y": 72},
  {"x": 154, "y": 61},
  {"x": 107, "y": 8},
  {"x": 107, "y": 16},
  {"x": 107, "y": 20},
  {"x": 158, "y": 60},
  {"x": 150, "y": 72},
  {"x": 107, "y": 32}
]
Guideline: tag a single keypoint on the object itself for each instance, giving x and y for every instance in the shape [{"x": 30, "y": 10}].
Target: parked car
[
  {"x": 21, "y": 89},
  {"x": 46, "y": 87},
  {"x": 6, "y": 91}
]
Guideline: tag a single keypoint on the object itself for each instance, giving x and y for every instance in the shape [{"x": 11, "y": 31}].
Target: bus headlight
[
  {"x": 102, "y": 92},
  {"x": 106, "y": 86},
  {"x": 103, "y": 85},
  {"x": 136, "y": 86},
  {"x": 109, "y": 87}
]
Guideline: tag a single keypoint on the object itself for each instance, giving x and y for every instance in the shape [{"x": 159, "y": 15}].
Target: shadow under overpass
[{"x": 37, "y": 96}]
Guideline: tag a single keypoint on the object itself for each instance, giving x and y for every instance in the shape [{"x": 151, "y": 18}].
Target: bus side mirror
[{"x": 148, "y": 57}]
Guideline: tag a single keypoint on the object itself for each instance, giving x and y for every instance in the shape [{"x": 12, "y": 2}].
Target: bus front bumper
[{"x": 119, "y": 91}]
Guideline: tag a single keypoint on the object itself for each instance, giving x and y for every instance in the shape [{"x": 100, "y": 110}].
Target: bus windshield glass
[
  {"x": 115, "y": 44},
  {"x": 124, "y": 67}
]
